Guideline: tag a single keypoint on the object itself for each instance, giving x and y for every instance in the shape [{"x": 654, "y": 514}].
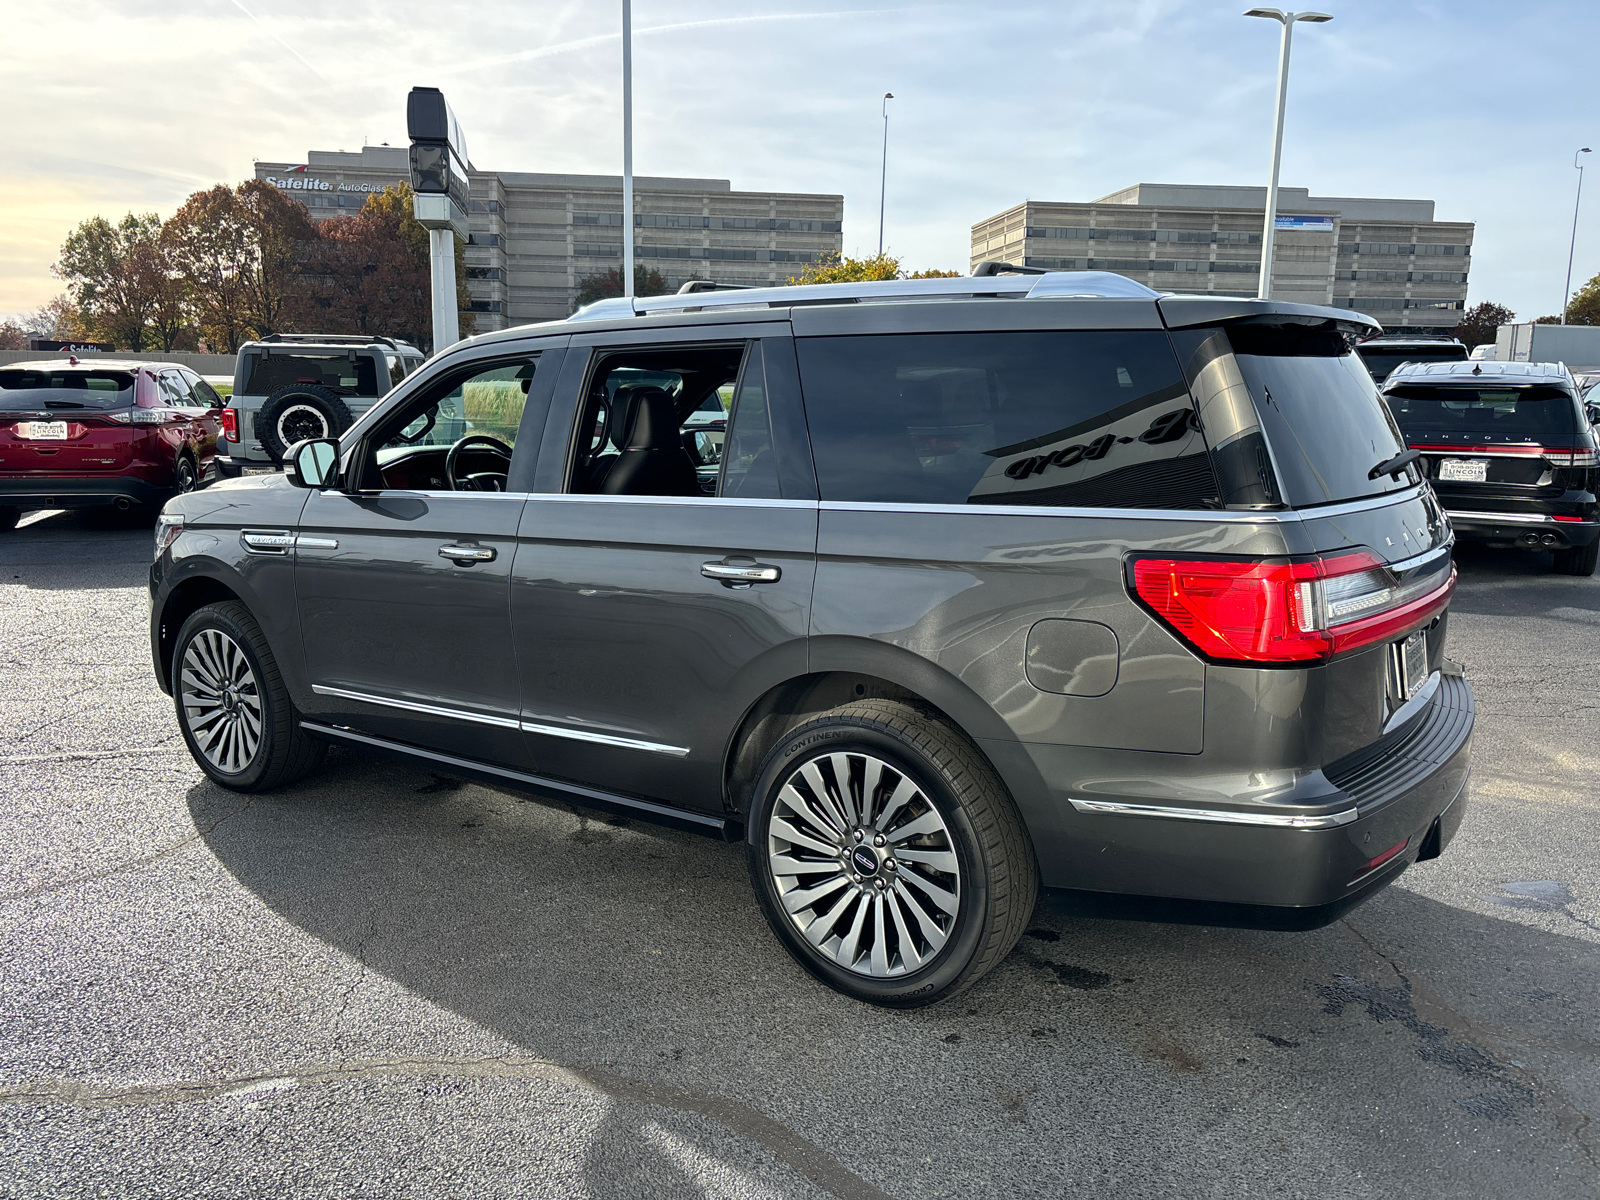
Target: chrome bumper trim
[
  {"x": 1498, "y": 518},
  {"x": 1215, "y": 815}
]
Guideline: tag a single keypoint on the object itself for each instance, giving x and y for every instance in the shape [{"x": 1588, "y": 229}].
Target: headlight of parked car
[{"x": 168, "y": 527}]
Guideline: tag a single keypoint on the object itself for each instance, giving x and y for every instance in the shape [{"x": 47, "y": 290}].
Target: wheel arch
[
  {"x": 186, "y": 598},
  {"x": 843, "y": 669}
]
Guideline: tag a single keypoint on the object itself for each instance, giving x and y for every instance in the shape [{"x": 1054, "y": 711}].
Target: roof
[
  {"x": 1480, "y": 371},
  {"x": 93, "y": 364},
  {"x": 1059, "y": 286}
]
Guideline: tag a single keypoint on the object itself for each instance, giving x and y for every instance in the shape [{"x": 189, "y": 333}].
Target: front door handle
[
  {"x": 740, "y": 572},
  {"x": 467, "y": 554}
]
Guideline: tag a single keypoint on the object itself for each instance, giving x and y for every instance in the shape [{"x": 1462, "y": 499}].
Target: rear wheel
[
  {"x": 184, "y": 476},
  {"x": 1579, "y": 560},
  {"x": 233, "y": 708},
  {"x": 888, "y": 856}
]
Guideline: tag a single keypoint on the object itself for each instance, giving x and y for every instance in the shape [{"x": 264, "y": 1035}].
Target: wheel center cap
[
  {"x": 230, "y": 700},
  {"x": 864, "y": 861}
]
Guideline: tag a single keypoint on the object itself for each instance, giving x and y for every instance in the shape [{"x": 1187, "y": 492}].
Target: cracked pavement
[{"x": 385, "y": 983}]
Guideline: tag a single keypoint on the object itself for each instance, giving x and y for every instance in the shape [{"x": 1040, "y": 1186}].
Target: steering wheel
[{"x": 482, "y": 441}]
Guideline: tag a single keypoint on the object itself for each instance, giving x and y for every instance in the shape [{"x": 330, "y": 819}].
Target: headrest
[{"x": 650, "y": 420}]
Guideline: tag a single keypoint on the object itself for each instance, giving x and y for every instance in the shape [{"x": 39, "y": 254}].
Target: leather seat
[{"x": 653, "y": 461}]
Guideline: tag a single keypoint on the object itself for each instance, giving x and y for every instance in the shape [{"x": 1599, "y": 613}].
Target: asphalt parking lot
[{"x": 386, "y": 983}]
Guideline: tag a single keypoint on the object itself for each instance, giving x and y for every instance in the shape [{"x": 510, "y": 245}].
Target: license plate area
[
  {"x": 41, "y": 431},
  {"x": 1463, "y": 470},
  {"x": 1408, "y": 668}
]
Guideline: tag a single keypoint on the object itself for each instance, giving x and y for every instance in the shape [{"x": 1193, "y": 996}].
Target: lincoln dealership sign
[{"x": 306, "y": 184}]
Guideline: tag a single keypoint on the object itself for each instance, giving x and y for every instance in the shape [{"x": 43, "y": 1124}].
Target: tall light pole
[
  {"x": 1270, "y": 224},
  {"x": 627, "y": 148},
  {"x": 1566, "y": 296},
  {"x": 883, "y": 178}
]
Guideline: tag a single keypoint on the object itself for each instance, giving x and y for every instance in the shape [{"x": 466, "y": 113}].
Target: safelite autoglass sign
[{"x": 1304, "y": 224}]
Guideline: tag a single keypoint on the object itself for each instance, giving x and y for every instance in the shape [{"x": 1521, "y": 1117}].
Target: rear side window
[
  {"x": 23, "y": 391},
  {"x": 1527, "y": 413},
  {"x": 1057, "y": 419},
  {"x": 1380, "y": 361},
  {"x": 359, "y": 377},
  {"x": 1320, "y": 412}
]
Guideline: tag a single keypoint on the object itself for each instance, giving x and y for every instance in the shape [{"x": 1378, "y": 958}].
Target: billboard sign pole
[{"x": 439, "y": 185}]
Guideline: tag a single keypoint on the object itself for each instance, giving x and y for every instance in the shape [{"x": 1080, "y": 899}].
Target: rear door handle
[
  {"x": 740, "y": 572},
  {"x": 467, "y": 554}
]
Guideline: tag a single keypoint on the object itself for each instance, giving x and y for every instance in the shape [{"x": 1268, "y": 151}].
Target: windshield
[
  {"x": 1381, "y": 361},
  {"x": 1526, "y": 412},
  {"x": 35, "y": 391},
  {"x": 266, "y": 373},
  {"x": 1323, "y": 419}
]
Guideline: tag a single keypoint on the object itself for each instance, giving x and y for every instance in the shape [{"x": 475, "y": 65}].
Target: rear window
[
  {"x": 1528, "y": 412},
  {"x": 22, "y": 391},
  {"x": 1381, "y": 362},
  {"x": 1322, "y": 417},
  {"x": 1058, "y": 419},
  {"x": 266, "y": 373}
]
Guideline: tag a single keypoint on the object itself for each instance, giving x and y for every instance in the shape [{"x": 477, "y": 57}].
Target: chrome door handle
[
  {"x": 467, "y": 554},
  {"x": 741, "y": 573}
]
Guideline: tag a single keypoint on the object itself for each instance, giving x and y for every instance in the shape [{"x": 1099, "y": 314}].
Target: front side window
[
  {"x": 475, "y": 416},
  {"x": 1058, "y": 419}
]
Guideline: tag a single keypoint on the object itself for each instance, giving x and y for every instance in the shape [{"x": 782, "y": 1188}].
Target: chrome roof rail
[{"x": 1052, "y": 285}]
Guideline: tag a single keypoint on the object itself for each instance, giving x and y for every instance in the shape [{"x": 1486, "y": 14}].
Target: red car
[{"x": 82, "y": 433}]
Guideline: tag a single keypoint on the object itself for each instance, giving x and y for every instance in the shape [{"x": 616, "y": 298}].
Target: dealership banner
[{"x": 1304, "y": 224}]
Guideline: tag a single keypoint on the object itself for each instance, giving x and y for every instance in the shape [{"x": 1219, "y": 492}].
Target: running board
[{"x": 549, "y": 789}]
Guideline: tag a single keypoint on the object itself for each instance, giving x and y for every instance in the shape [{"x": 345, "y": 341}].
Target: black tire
[
  {"x": 283, "y": 752},
  {"x": 298, "y": 411},
  {"x": 1579, "y": 560},
  {"x": 185, "y": 476},
  {"x": 9, "y": 517},
  {"x": 998, "y": 883}
]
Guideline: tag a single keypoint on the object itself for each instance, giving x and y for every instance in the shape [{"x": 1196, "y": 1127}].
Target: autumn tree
[
  {"x": 115, "y": 276},
  {"x": 833, "y": 267},
  {"x": 1584, "y": 307},
  {"x": 647, "y": 281},
  {"x": 211, "y": 244},
  {"x": 1479, "y": 323}
]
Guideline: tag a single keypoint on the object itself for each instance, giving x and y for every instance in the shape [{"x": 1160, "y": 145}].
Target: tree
[
  {"x": 13, "y": 336},
  {"x": 372, "y": 274},
  {"x": 646, "y": 282},
  {"x": 114, "y": 276},
  {"x": 211, "y": 245},
  {"x": 1478, "y": 323},
  {"x": 1584, "y": 307},
  {"x": 833, "y": 267},
  {"x": 281, "y": 233}
]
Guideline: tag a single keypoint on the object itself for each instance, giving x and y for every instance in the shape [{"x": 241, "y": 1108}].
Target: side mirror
[
  {"x": 1593, "y": 410},
  {"x": 218, "y": 402},
  {"x": 313, "y": 463}
]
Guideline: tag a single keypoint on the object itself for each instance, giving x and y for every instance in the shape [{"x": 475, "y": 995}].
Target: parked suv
[
  {"x": 77, "y": 434},
  {"x": 1003, "y": 581},
  {"x": 1510, "y": 449},
  {"x": 1383, "y": 354},
  {"x": 293, "y": 386}
]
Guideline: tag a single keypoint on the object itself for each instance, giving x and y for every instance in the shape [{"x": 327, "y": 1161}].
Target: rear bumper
[
  {"x": 1310, "y": 863},
  {"x": 34, "y": 492},
  {"x": 1511, "y": 528},
  {"x": 232, "y": 468}
]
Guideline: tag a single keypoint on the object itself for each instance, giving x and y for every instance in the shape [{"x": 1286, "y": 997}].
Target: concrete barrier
[{"x": 201, "y": 364}]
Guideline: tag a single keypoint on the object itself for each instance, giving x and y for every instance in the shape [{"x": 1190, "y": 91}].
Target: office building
[
  {"x": 536, "y": 236},
  {"x": 1387, "y": 258}
]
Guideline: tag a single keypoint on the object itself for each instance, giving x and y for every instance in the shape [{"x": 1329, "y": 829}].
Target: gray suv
[
  {"x": 996, "y": 584},
  {"x": 292, "y": 386}
]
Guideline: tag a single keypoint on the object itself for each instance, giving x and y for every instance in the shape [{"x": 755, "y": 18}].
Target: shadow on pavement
[{"x": 636, "y": 957}]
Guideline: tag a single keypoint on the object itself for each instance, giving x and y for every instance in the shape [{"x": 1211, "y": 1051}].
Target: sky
[{"x": 118, "y": 107}]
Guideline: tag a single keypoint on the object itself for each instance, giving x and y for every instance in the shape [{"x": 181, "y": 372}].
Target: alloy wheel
[
  {"x": 864, "y": 864},
  {"x": 299, "y": 422},
  {"x": 186, "y": 480},
  {"x": 221, "y": 701}
]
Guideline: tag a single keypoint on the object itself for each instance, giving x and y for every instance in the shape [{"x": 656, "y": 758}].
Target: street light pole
[
  {"x": 1270, "y": 221},
  {"x": 627, "y": 147},
  {"x": 883, "y": 179},
  {"x": 1566, "y": 296}
]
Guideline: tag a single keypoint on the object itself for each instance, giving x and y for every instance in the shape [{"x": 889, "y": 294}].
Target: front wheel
[
  {"x": 233, "y": 708},
  {"x": 1579, "y": 560},
  {"x": 888, "y": 856}
]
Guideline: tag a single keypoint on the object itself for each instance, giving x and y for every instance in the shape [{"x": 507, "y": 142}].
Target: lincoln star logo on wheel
[{"x": 866, "y": 862}]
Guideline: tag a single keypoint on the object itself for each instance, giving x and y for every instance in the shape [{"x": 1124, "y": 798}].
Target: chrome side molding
[
  {"x": 1216, "y": 815},
  {"x": 605, "y": 739},
  {"x": 281, "y": 541}
]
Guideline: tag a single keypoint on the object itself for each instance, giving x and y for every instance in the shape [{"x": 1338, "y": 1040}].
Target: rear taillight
[
  {"x": 230, "y": 424},
  {"x": 1556, "y": 457},
  {"x": 147, "y": 416},
  {"x": 1278, "y": 611}
]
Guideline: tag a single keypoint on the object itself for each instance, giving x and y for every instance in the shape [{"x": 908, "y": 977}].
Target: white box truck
[{"x": 1576, "y": 345}]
